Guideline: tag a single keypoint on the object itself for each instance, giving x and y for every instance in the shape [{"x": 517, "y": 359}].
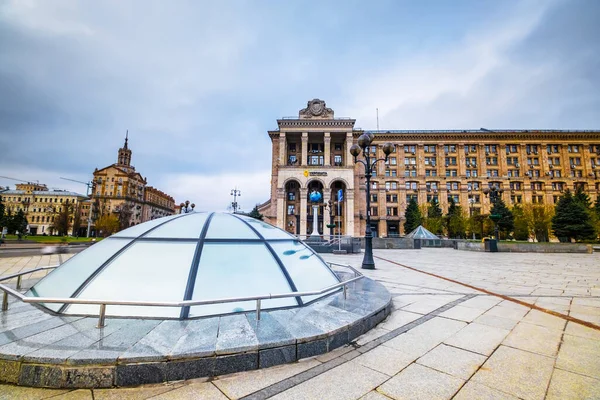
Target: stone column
[
  {"x": 302, "y": 211},
  {"x": 349, "y": 229},
  {"x": 281, "y": 211},
  {"x": 304, "y": 156},
  {"x": 326, "y": 210},
  {"x": 327, "y": 157},
  {"x": 282, "y": 149},
  {"x": 347, "y": 156}
]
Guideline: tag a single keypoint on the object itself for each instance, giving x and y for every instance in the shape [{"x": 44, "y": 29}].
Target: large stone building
[
  {"x": 41, "y": 205},
  {"x": 311, "y": 152},
  {"x": 119, "y": 188}
]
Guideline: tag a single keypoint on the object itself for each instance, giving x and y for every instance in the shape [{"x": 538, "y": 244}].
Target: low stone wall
[
  {"x": 516, "y": 247},
  {"x": 390, "y": 243}
]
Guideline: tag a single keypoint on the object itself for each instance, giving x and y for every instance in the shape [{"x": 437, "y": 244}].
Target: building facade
[
  {"x": 120, "y": 189},
  {"x": 41, "y": 206},
  {"x": 311, "y": 153}
]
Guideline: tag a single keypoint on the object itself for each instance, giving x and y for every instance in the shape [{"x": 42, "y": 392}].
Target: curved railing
[{"x": 103, "y": 302}]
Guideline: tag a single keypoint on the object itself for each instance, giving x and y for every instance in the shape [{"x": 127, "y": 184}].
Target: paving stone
[
  {"x": 452, "y": 361},
  {"x": 235, "y": 335},
  {"x": 575, "y": 329},
  {"x": 199, "y": 339},
  {"x": 397, "y": 319},
  {"x": 540, "y": 318},
  {"x": 228, "y": 364},
  {"x": 534, "y": 338},
  {"x": 482, "y": 302},
  {"x": 9, "y": 371},
  {"x": 80, "y": 394},
  {"x": 467, "y": 314},
  {"x": 479, "y": 338},
  {"x": 157, "y": 343},
  {"x": 330, "y": 355},
  {"x": 419, "y": 382},
  {"x": 374, "y": 395},
  {"x": 567, "y": 385},
  {"x": 205, "y": 391},
  {"x": 579, "y": 355},
  {"x": 374, "y": 333},
  {"x": 139, "y": 393},
  {"x": 386, "y": 360},
  {"x": 351, "y": 382},
  {"x": 269, "y": 332},
  {"x": 300, "y": 328},
  {"x": 242, "y": 384},
  {"x": 506, "y": 368},
  {"x": 472, "y": 390},
  {"x": 498, "y": 322},
  {"x": 508, "y": 312},
  {"x": 11, "y": 392}
]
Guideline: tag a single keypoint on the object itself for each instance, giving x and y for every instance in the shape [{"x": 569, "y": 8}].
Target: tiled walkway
[{"x": 444, "y": 340}]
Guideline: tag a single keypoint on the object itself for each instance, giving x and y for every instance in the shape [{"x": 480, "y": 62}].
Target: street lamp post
[
  {"x": 186, "y": 207},
  {"x": 235, "y": 193},
  {"x": 471, "y": 204},
  {"x": 364, "y": 141},
  {"x": 495, "y": 193}
]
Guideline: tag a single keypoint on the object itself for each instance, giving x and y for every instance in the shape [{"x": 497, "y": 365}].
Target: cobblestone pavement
[{"x": 466, "y": 325}]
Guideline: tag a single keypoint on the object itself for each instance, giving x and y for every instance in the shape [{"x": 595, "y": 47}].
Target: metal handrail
[{"x": 103, "y": 303}]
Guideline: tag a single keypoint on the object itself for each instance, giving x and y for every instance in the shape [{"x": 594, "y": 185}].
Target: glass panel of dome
[
  {"x": 188, "y": 226},
  {"x": 140, "y": 229},
  {"x": 146, "y": 271},
  {"x": 66, "y": 279},
  {"x": 307, "y": 270},
  {"x": 239, "y": 270},
  {"x": 226, "y": 226},
  {"x": 268, "y": 231}
]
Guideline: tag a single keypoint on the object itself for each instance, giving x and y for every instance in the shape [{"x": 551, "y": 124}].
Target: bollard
[
  {"x": 5, "y": 301},
  {"x": 345, "y": 291},
  {"x": 19, "y": 282},
  {"x": 101, "y": 316},
  {"x": 258, "y": 309}
]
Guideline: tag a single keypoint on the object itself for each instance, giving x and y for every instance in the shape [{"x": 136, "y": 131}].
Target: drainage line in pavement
[
  {"x": 310, "y": 373},
  {"x": 511, "y": 299}
]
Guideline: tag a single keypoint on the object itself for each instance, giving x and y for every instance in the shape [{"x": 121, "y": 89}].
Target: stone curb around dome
[{"x": 69, "y": 352}]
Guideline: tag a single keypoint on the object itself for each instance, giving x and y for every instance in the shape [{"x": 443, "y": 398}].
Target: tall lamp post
[
  {"x": 471, "y": 204},
  {"x": 185, "y": 208},
  {"x": 364, "y": 141},
  {"x": 235, "y": 193},
  {"x": 495, "y": 194}
]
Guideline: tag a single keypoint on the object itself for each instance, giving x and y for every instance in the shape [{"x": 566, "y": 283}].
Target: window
[
  {"x": 470, "y": 148},
  {"x": 373, "y": 185},
  {"x": 391, "y": 198},
  {"x": 291, "y": 196},
  {"x": 410, "y": 161},
  {"x": 429, "y": 148},
  {"x": 491, "y": 148},
  {"x": 374, "y": 211},
  {"x": 411, "y": 185},
  {"x": 410, "y": 173},
  {"x": 575, "y": 161},
  {"x": 471, "y": 173},
  {"x": 450, "y": 161},
  {"x": 513, "y": 173},
  {"x": 337, "y": 146},
  {"x": 552, "y": 148},
  {"x": 316, "y": 147},
  {"x": 410, "y": 149},
  {"x": 536, "y": 186},
  {"x": 450, "y": 148},
  {"x": 430, "y": 172},
  {"x": 511, "y": 148},
  {"x": 531, "y": 148},
  {"x": 471, "y": 161},
  {"x": 315, "y": 160},
  {"x": 512, "y": 161},
  {"x": 391, "y": 185},
  {"x": 337, "y": 160},
  {"x": 537, "y": 199},
  {"x": 410, "y": 197},
  {"x": 431, "y": 197},
  {"x": 492, "y": 173},
  {"x": 576, "y": 173},
  {"x": 292, "y": 160},
  {"x": 392, "y": 211},
  {"x": 391, "y": 172},
  {"x": 454, "y": 197},
  {"x": 451, "y": 172},
  {"x": 452, "y": 185},
  {"x": 533, "y": 161},
  {"x": 373, "y": 149},
  {"x": 373, "y": 198},
  {"x": 292, "y": 147},
  {"x": 475, "y": 198},
  {"x": 516, "y": 199},
  {"x": 554, "y": 161},
  {"x": 558, "y": 186},
  {"x": 431, "y": 186},
  {"x": 393, "y": 161},
  {"x": 515, "y": 185},
  {"x": 573, "y": 148},
  {"x": 491, "y": 160},
  {"x": 430, "y": 161},
  {"x": 473, "y": 186}
]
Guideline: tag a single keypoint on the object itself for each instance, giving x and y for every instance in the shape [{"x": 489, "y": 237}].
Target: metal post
[
  {"x": 5, "y": 301},
  {"x": 101, "y": 316},
  {"x": 368, "y": 262},
  {"x": 345, "y": 291},
  {"x": 258, "y": 309},
  {"x": 339, "y": 216},
  {"x": 19, "y": 282}
]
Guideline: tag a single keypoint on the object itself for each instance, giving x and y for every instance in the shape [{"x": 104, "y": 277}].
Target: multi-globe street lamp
[
  {"x": 471, "y": 206},
  {"x": 186, "y": 207},
  {"x": 364, "y": 141},
  {"x": 235, "y": 193},
  {"x": 495, "y": 194}
]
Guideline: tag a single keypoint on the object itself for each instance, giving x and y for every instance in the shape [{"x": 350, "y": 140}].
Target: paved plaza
[{"x": 465, "y": 325}]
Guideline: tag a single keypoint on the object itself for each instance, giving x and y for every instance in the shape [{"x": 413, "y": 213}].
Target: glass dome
[{"x": 195, "y": 256}]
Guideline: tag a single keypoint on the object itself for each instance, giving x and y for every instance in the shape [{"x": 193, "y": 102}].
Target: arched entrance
[
  {"x": 338, "y": 208},
  {"x": 313, "y": 186},
  {"x": 292, "y": 207}
]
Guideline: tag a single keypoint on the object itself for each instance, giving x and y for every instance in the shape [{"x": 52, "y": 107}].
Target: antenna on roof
[{"x": 377, "y": 110}]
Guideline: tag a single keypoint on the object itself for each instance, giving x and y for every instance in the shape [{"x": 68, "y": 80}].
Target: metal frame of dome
[{"x": 135, "y": 235}]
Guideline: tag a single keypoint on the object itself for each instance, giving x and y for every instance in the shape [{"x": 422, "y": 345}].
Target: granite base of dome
[{"x": 42, "y": 350}]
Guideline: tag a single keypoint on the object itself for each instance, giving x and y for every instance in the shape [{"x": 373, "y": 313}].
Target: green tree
[
  {"x": 521, "y": 225},
  {"x": 506, "y": 223},
  {"x": 539, "y": 220},
  {"x": 76, "y": 221},
  {"x": 455, "y": 221},
  {"x": 571, "y": 220},
  {"x": 107, "y": 224},
  {"x": 434, "y": 222},
  {"x": 413, "y": 216},
  {"x": 19, "y": 223},
  {"x": 582, "y": 197},
  {"x": 2, "y": 216},
  {"x": 62, "y": 220},
  {"x": 255, "y": 214}
]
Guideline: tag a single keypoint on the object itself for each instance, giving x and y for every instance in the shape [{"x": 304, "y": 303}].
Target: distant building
[
  {"x": 41, "y": 206},
  {"x": 310, "y": 152},
  {"x": 120, "y": 189}
]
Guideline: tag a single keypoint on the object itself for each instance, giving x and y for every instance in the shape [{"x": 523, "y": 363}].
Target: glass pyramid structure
[{"x": 195, "y": 256}]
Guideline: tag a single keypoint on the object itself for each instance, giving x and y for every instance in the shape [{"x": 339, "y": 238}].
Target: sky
[{"x": 199, "y": 83}]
